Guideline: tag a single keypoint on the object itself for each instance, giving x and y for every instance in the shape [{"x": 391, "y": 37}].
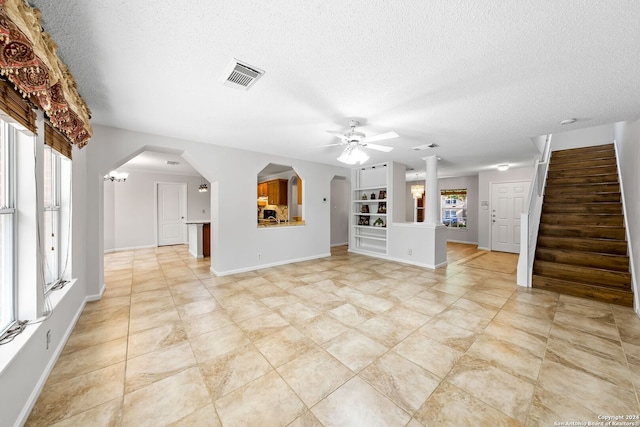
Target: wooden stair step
[
  {"x": 570, "y": 173},
  {"x": 597, "y": 232},
  {"x": 617, "y": 247},
  {"x": 582, "y": 152},
  {"x": 578, "y": 163},
  {"x": 588, "y": 179},
  {"x": 584, "y": 290},
  {"x": 582, "y": 189},
  {"x": 582, "y": 198},
  {"x": 582, "y": 274},
  {"x": 582, "y": 218},
  {"x": 586, "y": 259},
  {"x": 592, "y": 208}
]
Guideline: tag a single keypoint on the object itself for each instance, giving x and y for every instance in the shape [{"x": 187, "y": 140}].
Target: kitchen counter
[
  {"x": 199, "y": 238},
  {"x": 266, "y": 223}
]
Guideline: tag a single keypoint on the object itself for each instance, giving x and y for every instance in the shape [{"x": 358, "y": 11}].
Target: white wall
[
  {"x": 485, "y": 179},
  {"x": 596, "y": 135},
  {"x": 129, "y": 208},
  {"x": 627, "y": 136},
  {"x": 236, "y": 240},
  {"x": 340, "y": 199}
]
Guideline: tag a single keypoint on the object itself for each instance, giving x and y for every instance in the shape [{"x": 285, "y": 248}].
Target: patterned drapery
[{"x": 28, "y": 60}]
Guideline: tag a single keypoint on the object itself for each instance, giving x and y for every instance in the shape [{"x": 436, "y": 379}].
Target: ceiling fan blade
[
  {"x": 380, "y": 137},
  {"x": 330, "y": 145},
  {"x": 338, "y": 134},
  {"x": 377, "y": 147}
]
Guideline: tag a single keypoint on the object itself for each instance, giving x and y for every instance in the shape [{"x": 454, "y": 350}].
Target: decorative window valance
[{"x": 28, "y": 60}]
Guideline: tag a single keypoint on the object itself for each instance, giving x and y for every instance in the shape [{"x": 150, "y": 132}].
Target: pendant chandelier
[
  {"x": 417, "y": 190},
  {"x": 203, "y": 188}
]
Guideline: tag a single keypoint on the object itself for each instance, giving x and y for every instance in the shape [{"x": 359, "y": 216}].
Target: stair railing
[{"x": 530, "y": 220}]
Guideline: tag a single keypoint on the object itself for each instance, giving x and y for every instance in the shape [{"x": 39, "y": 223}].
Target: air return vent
[{"x": 240, "y": 75}]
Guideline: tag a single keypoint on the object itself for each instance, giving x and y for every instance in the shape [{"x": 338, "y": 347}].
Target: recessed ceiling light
[
  {"x": 172, "y": 163},
  {"x": 503, "y": 167},
  {"x": 568, "y": 121}
]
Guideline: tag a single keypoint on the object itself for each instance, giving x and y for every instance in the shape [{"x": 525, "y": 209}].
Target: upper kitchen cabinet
[
  {"x": 263, "y": 189},
  {"x": 277, "y": 192}
]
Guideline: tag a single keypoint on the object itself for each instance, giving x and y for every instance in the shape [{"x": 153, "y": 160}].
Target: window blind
[
  {"x": 17, "y": 107},
  {"x": 56, "y": 140}
]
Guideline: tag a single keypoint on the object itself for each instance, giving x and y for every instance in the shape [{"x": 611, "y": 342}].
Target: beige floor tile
[
  {"x": 284, "y": 346},
  {"x": 154, "y": 339},
  {"x": 146, "y": 308},
  {"x": 593, "y": 326},
  {"x": 449, "y": 405},
  {"x": 321, "y": 328},
  {"x": 356, "y": 403},
  {"x": 265, "y": 401},
  {"x": 425, "y": 306},
  {"x": 229, "y": 371},
  {"x": 532, "y": 341},
  {"x": 548, "y": 408},
  {"x": 314, "y": 375},
  {"x": 505, "y": 392},
  {"x": 373, "y": 303},
  {"x": 105, "y": 415},
  {"x": 220, "y": 341},
  {"x": 274, "y": 300},
  {"x": 99, "y": 334},
  {"x": 407, "y": 316},
  {"x": 247, "y": 309},
  {"x": 306, "y": 420},
  {"x": 405, "y": 383},
  {"x": 597, "y": 395},
  {"x": 464, "y": 319},
  {"x": 351, "y": 315},
  {"x": 204, "y": 417},
  {"x": 509, "y": 357},
  {"x": 538, "y": 297},
  {"x": 67, "y": 398},
  {"x": 197, "y": 308},
  {"x": 450, "y": 335},
  {"x": 481, "y": 309},
  {"x": 484, "y": 298},
  {"x": 433, "y": 356},
  {"x": 89, "y": 359},
  {"x": 262, "y": 326},
  {"x": 166, "y": 401},
  {"x": 355, "y": 350},
  {"x": 297, "y": 312},
  {"x": 206, "y": 322},
  {"x": 385, "y": 330},
  {"x": 524, "y": 323},
  {"x": 157, "y": 365},
  {"x": 155, "y": 320}
]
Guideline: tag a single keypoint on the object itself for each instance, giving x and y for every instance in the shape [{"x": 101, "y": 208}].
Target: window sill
[{"x": 9, "y": 351}]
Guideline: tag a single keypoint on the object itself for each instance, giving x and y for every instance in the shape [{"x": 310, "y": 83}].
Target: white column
[{"x": 432, "y": 202}]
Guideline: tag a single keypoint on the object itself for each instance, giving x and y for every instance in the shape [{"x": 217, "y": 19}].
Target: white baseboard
[
  {"x": 480, "y": 248},
  {"x": 131, "y": 248},
  {"x": 400, "y": 260},
  {"x": 339, "y": 244},
  {"x": 98, "y": 296},
  {"x": 261, "y": 266}
]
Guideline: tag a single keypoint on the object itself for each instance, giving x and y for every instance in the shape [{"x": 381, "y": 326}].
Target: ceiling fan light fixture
[
  {"x": 503, "y": 167},
  {"x": 352, "y": 154}
]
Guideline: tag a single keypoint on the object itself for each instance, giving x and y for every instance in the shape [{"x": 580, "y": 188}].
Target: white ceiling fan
[{"x": 355, "y": 141}]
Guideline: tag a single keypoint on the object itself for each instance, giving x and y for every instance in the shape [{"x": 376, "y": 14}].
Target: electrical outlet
[
  {"x": 48, "y": 338},
  {"x": 259, "y": 256},
  {"x": 202, "y": 210},
  {"x": 409, "y": 251}
]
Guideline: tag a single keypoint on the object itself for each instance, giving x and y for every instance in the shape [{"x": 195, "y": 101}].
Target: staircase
[{"x": 582, "y": 247}]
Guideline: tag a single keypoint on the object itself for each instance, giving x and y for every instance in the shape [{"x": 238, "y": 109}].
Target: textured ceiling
[{"x": 477, "y": 78}]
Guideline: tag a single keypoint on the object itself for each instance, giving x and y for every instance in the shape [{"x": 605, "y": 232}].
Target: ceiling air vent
[
  {"x": 172, "y": 163},
  {"x": 240, "y": 75},
  {"x": 426, "y": 146}
]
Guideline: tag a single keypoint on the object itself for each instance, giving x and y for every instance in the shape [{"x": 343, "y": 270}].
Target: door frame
[
  {"x": 491, "y": 205},
  {"x": 183, "y": 202}
]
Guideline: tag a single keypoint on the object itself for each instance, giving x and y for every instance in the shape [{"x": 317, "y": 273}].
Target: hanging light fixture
[
  {"x": 417, "y": 190},
  {"x": 203, "y": 188},
  {"x": 116, "y": 176},
  {"x": 352, "y": 154}
]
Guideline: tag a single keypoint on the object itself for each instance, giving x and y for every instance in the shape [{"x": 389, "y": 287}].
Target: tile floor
[{"x": 342, "y": 341}]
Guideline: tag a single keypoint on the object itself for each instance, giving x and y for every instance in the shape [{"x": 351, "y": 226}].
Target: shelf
[
  {"x": 377, "y": 187},
  {"x": 370, "y": 214},
  {"x": 370, "y": 226},
  {"x": 363, "y": 236},
  {"x": 370, "y": 200}
]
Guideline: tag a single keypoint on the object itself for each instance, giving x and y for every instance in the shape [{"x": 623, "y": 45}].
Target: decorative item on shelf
[
  {"x": 382, "y": 207},
  {"x": 364, "y": 220},
  {"x": 382, "y": 194},
  {"x": 364, "y": 196},
  {"x": 364, "y": 209},
  {"x": 373, "y": 196},
  {"x": 379, "y": 223}
]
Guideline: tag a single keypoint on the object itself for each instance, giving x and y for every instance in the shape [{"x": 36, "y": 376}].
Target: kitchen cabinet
[
  {"x": 277, "y": 190},
  {"x": 263, "y": 189}
]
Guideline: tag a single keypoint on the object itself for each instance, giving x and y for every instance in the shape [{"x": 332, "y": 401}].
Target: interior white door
[
  {"x": 508, "y": 201},
  {"x": 171, "y": 213}
]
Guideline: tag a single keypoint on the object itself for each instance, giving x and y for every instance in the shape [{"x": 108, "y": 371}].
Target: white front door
[
  {"x": 171, "y": 213},
  {"x": 508, "y": 201}
]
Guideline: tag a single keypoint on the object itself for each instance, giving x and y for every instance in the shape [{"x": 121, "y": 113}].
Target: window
[
  {"x": 7, "y": 228},
  {"x": 54, "y": 231},
  {"x": 454, "y": 208}
]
